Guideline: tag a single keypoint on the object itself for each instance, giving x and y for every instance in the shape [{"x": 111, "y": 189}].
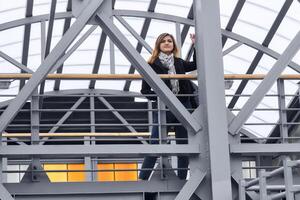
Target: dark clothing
[
  {"x": 181, "y": 67},
  {"x": 180, "y": 133},
  {"x": 185, "y": 87}
]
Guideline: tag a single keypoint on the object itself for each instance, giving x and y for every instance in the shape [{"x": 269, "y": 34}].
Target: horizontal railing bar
[
  {"x": 85, "y": 110},
  {"x": 48, "y": 151},
  {"x": 137, "y": 95},
  {"x": 80, "y": 134},
  {"x": 97, "y": 140},
  {"x": 79, "y": 125},
  {"x": 91, "y": 170},
  {"x": 137, "y": 76}
]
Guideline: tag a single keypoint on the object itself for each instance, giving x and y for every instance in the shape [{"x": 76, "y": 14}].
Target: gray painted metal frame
[
  {"x": 211, "y": 102},
  {"x": 211, "y": 94},
  {"x": 26, "y": 38},
  {"x": 47, "y": 65},
  {"x": 260, "y": 54},
  {"x": 143, "y": 34},
  {"x": 265, "y": 85},
  {"x": 149, "y": 75},
  {"x": 67, "y": 25}
]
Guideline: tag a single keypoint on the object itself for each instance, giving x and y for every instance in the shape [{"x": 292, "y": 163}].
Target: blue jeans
[{"x": 180, "y": 132}]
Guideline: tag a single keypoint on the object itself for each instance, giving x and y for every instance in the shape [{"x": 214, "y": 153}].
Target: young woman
[{"x": 165, "y": 60}]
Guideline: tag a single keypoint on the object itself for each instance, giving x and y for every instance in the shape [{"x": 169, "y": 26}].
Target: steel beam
[
  {"x": 230, "y": 117},
  {"x": 135, "y": 34},
  {"x": 117, "y": 114},
  {"x": 26, "y": 39},
  {"x": 73, "y": 48},
  {"x": 48, "y": 64},
  {"x": 265, "y": 149},
  {"x": 43, "y": 40},
  {"x": 120, "y": 117},
  {"x": 211, "y": 94},
  {"x": 15, "y": 63},
  {"x": 4, "y": 194},
  {"x": 143, "y": 34},
  {"x": 32, "y": 20},
  {"x": 265, "y": 85},
  {"x": 149, "y": 75},
  {"x": 190, "y": 186},
  {"x": 48, "y": 41},
  {"x": 65, "y": 117},
  {"x": 257, "y": 46},
  {"x": 186, "y": 28},
  {"x": 233, "y": 18},
  {"x": 153, "y": 15},
  {"x": 95, "y": 188},
  {"x": 45, "y": 151},
  {"x": 67, "y": 25},
  {"x": 260, "y": 54},
  {"x": 233, "y": 47},
  {"x": 98, "y": 58}
]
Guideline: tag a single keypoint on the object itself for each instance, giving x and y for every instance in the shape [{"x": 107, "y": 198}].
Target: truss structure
[{"x": 93, "y": 125}]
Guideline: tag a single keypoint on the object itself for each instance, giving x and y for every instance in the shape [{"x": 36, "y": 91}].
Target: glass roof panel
[{"x": 11, "y": 10}]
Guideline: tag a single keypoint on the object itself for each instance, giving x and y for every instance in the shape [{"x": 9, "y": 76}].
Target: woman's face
[{"x": 166, "y": 46}]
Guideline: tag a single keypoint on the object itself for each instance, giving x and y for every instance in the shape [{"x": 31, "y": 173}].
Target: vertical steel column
[
  {"x": 263, "y": 185},
  {"x": 93, "y": 130},
  {"x": 288, "y": 178},
  {"x": 66, "y": 27},
  {"x": 88, "y": 162},
  {"x": 43, "y": 40},
  {"x": 212, "y": 94},
  {"x": 3, "y": 165},
  {"x": 282, "y": 111},
  {"x": 26, "y": 38},
  {"x": 178, "y": 38},
  {"x": 112, "y": 57},
  {"x": 35, "y": 129},
  {"x": 242, "y": 190},
  {"x": 163, "y": 133}
]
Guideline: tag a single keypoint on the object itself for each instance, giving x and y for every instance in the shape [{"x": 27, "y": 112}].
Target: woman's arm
[{"x": 190, "y": 66}]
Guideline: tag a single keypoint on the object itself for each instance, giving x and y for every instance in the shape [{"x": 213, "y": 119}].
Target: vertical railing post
[
  {"x": 163, "y": 133},
  {"x": 242, "y": 190},
  {"x": 282, "y": 111},
  {"x": 288, "y": 178},
  {"x": 35, "y": 120},
  {"x": 262, "y": 185}
]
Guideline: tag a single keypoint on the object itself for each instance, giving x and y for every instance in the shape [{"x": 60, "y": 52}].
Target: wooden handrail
[{"x": 137, "y": 76}]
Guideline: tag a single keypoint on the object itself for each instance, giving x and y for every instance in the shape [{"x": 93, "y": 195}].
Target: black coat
[{"x": 181, "y": 67}]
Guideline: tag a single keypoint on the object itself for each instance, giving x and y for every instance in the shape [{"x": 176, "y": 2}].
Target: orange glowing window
[
  {"x": 106, "y": 175},
  {"x": 76, "y": 176},
  {"x": 126, "y": 175}
]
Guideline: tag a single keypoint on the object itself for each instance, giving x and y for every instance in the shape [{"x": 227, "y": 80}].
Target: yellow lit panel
[
  {"x": 126, "y": 175},
  {"x": 56, "y": 176}
]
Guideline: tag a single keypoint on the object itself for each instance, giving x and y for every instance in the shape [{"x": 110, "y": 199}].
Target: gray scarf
[{"x": 168, "y": 62}]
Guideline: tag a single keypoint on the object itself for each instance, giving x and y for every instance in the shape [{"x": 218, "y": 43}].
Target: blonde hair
[{"x": 156, "y": 49}]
